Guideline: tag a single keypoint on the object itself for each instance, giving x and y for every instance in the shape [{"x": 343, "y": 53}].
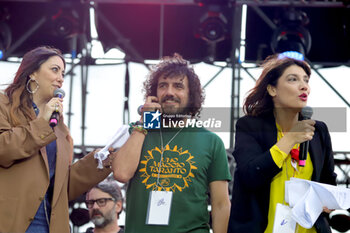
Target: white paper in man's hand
[{"x": 118, "y": 140}]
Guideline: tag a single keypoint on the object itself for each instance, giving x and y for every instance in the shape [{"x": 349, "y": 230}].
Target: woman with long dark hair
[
  {"x": 267, "y": 138},
  {"x": 37, "y": 178}
]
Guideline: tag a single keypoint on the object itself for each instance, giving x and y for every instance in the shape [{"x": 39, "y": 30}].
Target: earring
[{"x": 28, "y": 86}]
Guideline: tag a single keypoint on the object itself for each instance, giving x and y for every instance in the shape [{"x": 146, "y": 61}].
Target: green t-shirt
[{"x": 193, "y": 159}]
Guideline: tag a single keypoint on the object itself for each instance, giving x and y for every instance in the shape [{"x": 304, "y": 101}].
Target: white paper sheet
[
  {"x": 299, "y": 190},
  {"x": 283, "y": 222},
  {"x": 118, "y": 140},
  {"x": 307, "y": 199}
]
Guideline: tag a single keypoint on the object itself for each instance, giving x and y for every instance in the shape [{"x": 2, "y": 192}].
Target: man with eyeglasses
[{"x": 105, "y": 203}]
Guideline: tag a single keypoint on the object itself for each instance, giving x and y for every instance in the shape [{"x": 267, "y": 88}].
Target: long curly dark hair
[
  {"x": 19, "y": 98},
  {"x": 259, "y": 102},
  {"x": 173, "y": 66}
]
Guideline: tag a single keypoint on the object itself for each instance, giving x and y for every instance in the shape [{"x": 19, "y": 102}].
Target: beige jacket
[{"x": 24, "y": 172}]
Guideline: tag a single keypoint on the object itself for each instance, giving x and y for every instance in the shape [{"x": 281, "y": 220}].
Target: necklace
[
  {"x": 161, "y": 138},
  {"x": 161, "y": 155}
]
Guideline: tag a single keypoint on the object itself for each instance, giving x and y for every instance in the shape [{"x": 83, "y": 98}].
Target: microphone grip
[
  {"x": 305, "y": 114},
  {"x": 54, "y": 119},
  {"x": 304, "y": 148},
  {"x": 139, "y": 110}
]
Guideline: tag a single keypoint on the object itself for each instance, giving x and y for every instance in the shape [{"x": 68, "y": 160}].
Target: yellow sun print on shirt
[{"x": 175, "y": 172}]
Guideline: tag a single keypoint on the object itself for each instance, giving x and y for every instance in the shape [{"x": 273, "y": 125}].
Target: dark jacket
[{"x": 256, "y": 168}]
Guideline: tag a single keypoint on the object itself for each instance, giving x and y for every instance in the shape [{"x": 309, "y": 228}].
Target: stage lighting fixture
[
  {"x": 346, "y": 2},
  {"x": 291, "y": 38},
  {"x": 60, "y": 24},
  {"x": 213, "y": 27},
  {"x": 65, "y": 23},
  {"x": 5, "y": 38}
]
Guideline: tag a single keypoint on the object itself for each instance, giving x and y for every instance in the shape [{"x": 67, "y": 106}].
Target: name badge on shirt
[
  {"x": 159, "y": 205},
  {"x": 284, "y": 223}
]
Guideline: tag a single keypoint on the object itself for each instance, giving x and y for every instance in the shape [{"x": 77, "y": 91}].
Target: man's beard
[
  {"x": 176, "y": 111},
  {"x": 104, "y": 219},
  {"x": 172, "y": 110}
]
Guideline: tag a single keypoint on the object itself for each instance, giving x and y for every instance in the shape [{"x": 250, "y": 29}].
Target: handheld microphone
[
  {"x": 139, "y": 110},
  {"x": 56, "y": 115},
  {"x": 305, "y": 114}
]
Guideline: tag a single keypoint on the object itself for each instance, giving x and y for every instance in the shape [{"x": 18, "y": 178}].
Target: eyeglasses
[{"x": 101, "y": 202}]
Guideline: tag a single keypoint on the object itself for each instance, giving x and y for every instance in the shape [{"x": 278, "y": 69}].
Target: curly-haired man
[{"x": 170, "y": 169}]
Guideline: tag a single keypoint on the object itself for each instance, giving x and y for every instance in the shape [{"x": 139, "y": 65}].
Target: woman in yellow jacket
[{"x": 267, "y": 139}]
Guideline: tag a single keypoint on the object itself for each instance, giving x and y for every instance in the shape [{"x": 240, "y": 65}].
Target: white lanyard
[{"x": 162, "y": 151}]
